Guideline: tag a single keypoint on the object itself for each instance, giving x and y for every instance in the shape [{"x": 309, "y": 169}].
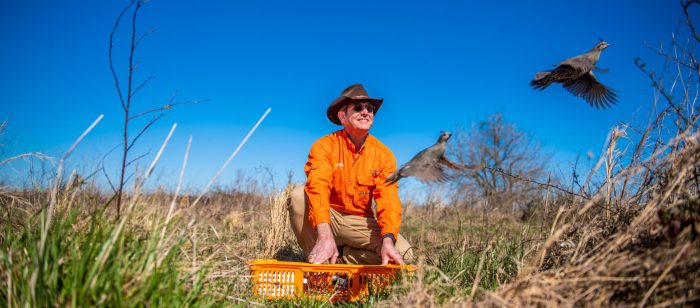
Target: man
[{"x": 332, "y": 215}]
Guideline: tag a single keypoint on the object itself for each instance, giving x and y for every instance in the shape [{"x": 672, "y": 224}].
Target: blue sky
[{"x": 439, "y": 65}]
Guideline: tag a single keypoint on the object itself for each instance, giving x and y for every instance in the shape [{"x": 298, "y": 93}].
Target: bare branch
[
  {"x": 111, "y": 47},
  {"x": 137, "y": 158},
  {"x": 506, "y": 155},
  {"x": 660, "y": 89},
  {"x": 501, "y": 171},
  {"x": 130, "y": 175},
  {"x": 104, "y": 171},
  {"x": 166, "y": 107},
  {"x": 143, "y": 84},
  {"x": 131, "y": 92},
  {"x": 145, "y": 127},
  {"x": 131, "y": 53},
  {"x": 127, "y": 105},
  {"x": 149, "y": 32},
  {"x": 686, "y": 5}
]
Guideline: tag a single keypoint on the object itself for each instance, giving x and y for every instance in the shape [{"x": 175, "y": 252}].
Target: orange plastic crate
[{"x": 274, "y": 279}]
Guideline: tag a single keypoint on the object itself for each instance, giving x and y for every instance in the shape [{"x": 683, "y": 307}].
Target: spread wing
[
  {"x": 590, "y": 89},
  {"x": 424, "y": 167},
  {"x": 562, "y": 73},
  {"x": 424, "y": 171},
  {"x": 565, "y": 72}
]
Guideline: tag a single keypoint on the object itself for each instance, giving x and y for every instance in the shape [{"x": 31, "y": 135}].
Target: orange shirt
[{"x": 338, "y": 177}]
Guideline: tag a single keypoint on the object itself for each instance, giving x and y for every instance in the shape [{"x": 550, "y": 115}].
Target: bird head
[
  {"x": 601, "y": 45},
  {"x": 444, "y": 136}
]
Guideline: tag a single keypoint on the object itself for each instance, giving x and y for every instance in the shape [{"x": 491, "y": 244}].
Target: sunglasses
[{"x": 359, "y": 107}]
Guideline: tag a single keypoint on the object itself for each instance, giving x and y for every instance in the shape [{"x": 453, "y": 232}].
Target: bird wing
[
  {"x": 425, "y": 166},
  {"x": 590, "y": 89},
  {"x": 425, "y": 172},
  {"x": 583, "y": 63},
  {"x": 565, "y": 72}
]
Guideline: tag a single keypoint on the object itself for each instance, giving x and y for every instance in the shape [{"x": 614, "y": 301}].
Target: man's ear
[{"x": 341, "y": 114}]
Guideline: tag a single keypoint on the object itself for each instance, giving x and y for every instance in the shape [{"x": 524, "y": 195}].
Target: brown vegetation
[{"x": 628, "y": 235}]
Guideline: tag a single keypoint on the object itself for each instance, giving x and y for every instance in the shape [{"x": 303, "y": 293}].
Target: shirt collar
[{"x": 351, "y": 145}]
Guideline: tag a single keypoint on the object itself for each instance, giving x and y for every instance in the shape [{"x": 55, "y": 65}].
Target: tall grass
[
  {"x": 199, "y": 257},
  {"x": 628, "y": 237},
  {"x": 636, "y": 240},
  {"x": 62, "y": 250},
  {"x": 84, "y": 264}
]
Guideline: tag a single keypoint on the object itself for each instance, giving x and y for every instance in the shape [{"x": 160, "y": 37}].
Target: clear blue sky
[{"x": 438, "y": 65}]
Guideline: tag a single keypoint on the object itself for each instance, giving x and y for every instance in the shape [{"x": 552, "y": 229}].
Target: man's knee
[
  {"x": 351, "y": 255},
  {"x": 296, "y": 203},
  {"x": 405, "y": 249}
]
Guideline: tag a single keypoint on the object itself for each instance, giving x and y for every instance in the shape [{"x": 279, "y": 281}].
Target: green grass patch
[{"x": 90, "y": 261}]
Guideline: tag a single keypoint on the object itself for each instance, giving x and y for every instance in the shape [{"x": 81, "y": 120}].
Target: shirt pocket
[{"x": 363, "y": 193}]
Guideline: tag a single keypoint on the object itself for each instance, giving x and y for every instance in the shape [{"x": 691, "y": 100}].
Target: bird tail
[
  {"x": 393, "y": 178},
  {"x": 541, "y": 80}
]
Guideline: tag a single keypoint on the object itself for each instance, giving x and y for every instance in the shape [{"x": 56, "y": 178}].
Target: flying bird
[
  {"x": 576, "y": 76},
  {"x": 428, "y": 165}
]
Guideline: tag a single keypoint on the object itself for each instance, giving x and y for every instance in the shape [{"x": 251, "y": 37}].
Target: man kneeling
[{"x": 331, "y": 215}]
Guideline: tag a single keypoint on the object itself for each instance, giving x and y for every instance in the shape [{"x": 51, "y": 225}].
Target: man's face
[{"x": 357, "y": 115}]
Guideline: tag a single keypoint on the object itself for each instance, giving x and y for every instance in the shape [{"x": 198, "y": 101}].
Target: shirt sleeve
[
  {"x": 387, "y": 197},
  {"x": 319, "y": 173}
]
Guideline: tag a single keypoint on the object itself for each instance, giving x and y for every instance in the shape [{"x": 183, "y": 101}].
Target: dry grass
[
  {"x": 639, "y": 255},
  {"x": 628, "y": 237},
  {"x": 644, "y": 254},
  {"x": 636, "y": 248}
]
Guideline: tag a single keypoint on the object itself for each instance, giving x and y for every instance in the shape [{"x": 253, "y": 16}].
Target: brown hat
[{"x": 353, "y": 93}]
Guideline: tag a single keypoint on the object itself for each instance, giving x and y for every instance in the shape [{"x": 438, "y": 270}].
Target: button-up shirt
[{"x": 347, "y": 179}]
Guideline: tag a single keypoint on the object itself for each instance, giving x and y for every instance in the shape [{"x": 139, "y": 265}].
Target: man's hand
[
  {"x": 325, "y": 248},
  {"x": 389, "y": 252}
]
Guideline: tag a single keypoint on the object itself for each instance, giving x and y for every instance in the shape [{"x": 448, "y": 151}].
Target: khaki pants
[{"x": 358, "y": 238}]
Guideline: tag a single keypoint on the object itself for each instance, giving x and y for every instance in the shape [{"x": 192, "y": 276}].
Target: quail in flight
[
  {"x": 576, "y": 76},
  {"x": 428, "y": 165}
]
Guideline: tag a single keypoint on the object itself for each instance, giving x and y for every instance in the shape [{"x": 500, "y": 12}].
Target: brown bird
[
  {"x": 428, "y": 165},
  {"x": 576, "y": 76}
]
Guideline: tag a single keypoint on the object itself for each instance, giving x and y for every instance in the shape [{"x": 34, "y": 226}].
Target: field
[
  {"x": 625, "y": 232},
  {"x": 567, "y": 254},
  {"x": 89, "y": 258}
]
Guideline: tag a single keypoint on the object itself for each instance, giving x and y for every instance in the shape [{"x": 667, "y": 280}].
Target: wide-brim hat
[{"x": 353, "y": 93}]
